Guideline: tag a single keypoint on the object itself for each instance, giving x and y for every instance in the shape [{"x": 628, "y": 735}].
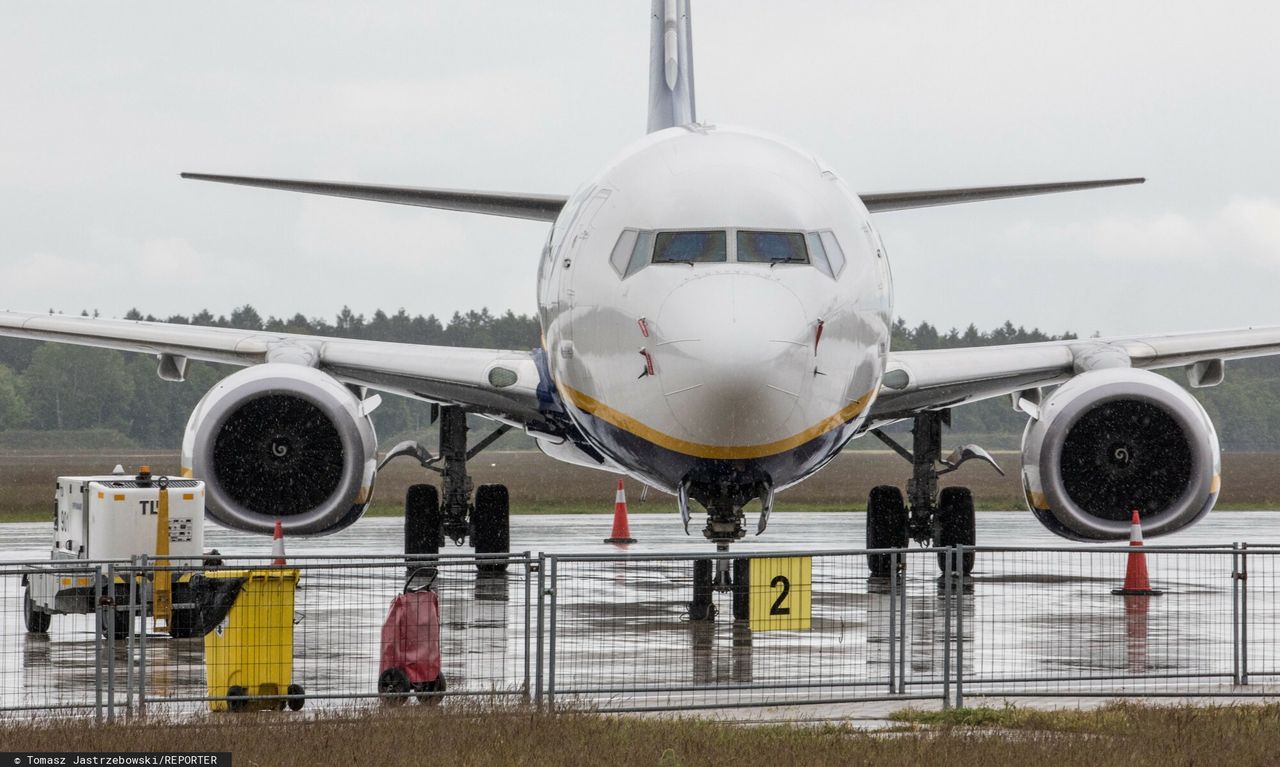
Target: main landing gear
[
  {"x": 926, "y": 516},
  {"x": 429, "y": 519}
]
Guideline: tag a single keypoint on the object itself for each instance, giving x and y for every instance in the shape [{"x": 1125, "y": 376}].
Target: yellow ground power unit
[{"x": 119, "y": 517}]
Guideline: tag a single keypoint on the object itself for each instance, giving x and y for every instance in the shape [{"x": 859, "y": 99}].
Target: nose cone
[{"x": 733, "y": 355}]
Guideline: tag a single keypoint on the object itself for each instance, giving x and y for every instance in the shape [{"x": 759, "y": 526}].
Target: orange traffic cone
[
  {"x": 621, "y": 531},
  {"x": 1136, "y": 582},
  {"x": 277, "y": 545}
]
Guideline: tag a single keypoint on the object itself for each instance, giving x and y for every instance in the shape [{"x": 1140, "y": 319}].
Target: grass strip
[{"x": 469, "y": 735}]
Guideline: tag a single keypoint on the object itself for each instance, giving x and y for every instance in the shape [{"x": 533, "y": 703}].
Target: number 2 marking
[{"x": 777, "y": 608}]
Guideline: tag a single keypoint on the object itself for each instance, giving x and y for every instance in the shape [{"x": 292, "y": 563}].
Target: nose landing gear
[
  {"x": 725, "y": 524},
  {"x": 712, "y": 576},
  {"x": 926, "y": 516}
]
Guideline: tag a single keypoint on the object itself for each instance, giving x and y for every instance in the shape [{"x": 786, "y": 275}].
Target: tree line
[{"x": 60, "y": 388}]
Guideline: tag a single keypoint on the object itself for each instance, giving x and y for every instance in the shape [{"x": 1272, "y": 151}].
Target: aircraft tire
[
  {"x": 956, "y": 524},
  {"x": 886, "y": 527},
  {"x": 702, "y": 608},
  {"x": 421, "y": 525},
  {"x": 742, "y": 589},
  {"x": 491, "y": 525}
]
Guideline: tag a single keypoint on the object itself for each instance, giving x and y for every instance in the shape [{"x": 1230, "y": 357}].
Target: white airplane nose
[{"x": 732, "y": 355}]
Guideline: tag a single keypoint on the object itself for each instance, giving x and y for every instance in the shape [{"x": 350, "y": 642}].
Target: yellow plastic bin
[{"x": 250, "y": 653}]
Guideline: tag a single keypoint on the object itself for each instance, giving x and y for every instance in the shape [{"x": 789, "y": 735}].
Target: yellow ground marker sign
[{"x": 781, "y": 591}]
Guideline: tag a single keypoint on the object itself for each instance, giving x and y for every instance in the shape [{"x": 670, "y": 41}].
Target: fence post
[
  {"x": 959, "y": 563},
  {"x": 109, "y": 621},
  {"x": 551, "y": 640},
  {"x": 132, "y": 579},
  {"x": 1244, "y": 614},
  {"x": 528, "y": 576},
  {"x": 904, "y": 646},
  {"x": 142, "y": 639},
  {"x": 97, "y": 643},
  {"x": 542, "y": 599},
  {"x": 946, "y": 629},
  {"x": 1235, "y": 613},
  {"x": 893, "y": 622}
]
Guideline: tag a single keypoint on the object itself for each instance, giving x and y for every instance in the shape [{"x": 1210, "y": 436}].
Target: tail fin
[{"x": 670, "y": 65}]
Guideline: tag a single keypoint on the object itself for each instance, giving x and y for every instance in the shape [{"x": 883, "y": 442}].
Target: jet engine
[
  {"x": 1113, "y": 440},
  {"x": 282, "y": 442}
]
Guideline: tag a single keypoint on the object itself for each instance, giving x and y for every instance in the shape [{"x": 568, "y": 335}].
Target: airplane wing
[
  {"x": 927, "y": 198},
  {"x": 545, "y": 207},
  {"x": 934, "y": 379},
  {"x": 498, "y": 384},
  {"x": 537, "y": 207}
]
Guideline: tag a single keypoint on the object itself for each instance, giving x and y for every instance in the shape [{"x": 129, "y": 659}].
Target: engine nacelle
[
  {"x": 1114, "y": 440},
  {"x": 282, "y": 441}
]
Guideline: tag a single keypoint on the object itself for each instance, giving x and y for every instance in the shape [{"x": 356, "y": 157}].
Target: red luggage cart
[{"x": 411, "y": 649}]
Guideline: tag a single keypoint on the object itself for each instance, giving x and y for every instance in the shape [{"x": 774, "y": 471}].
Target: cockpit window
[
  {"x": 690, "y": 248},
  {"x": 772, "y": 248},
  {"x": 622, "y": 251},
  {"x": 818, "y": 254},
  {"x": 640, "y": 255},
  {"x": 834, "y": 254},
  {"x": 636, "y": 249}
]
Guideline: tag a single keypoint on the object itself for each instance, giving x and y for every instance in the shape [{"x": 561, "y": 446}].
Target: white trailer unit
[{"x": 114, "y": 517}]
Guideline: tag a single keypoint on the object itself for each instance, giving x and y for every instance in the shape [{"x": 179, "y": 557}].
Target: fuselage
[{"x": 716, "y": 308}]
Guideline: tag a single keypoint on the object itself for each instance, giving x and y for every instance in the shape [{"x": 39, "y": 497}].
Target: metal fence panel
[
  {"x": 1045, "y": 621},
  {"x": 338, "y": 611},
  {"x": 622, "y": 638},
  {"x": 614, "y": 632},
  {"x": 58, "y": 671}
]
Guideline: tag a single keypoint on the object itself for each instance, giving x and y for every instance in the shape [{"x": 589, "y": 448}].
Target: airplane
[{"x": 715, "y": 307}]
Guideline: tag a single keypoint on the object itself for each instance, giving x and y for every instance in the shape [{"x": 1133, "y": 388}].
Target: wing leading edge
[
  {"x": 545, "y": 207},
  {"x": 536, "y": 207},
  {"x": 927, "y": 380},
  {"x": 446, "y": 375},
  {"x": 886, "y": 201}
]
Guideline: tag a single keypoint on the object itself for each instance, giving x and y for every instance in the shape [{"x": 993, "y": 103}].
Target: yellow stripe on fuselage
[{"x": 590, "y": 405}]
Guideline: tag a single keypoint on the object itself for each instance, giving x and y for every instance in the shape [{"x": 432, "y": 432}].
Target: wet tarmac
[
  {"x": 663, "y": 533},
  {"x": 1026, "y": 623}
]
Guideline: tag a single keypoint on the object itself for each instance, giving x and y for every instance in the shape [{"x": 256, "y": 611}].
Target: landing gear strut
[
  {"x": 722, "y": 575},
  {"x": 927, "y": 517},
  {"x": 725, "y": 524},
  {"x": 432, "y": 516}
]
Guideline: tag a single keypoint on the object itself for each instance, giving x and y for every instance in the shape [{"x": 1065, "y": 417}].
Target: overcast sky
[{"x": 102, "y": 104}]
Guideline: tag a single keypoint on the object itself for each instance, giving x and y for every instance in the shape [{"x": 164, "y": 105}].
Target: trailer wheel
[
  {"x": 182, "y": 624},
  {"x": 37, "y": 620},
  {"x": 438, "y": 687},
  {"x": 392, "y": 684},
  {"x": 296, "y": 697},
  {"x": 122, "y": 625}
]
